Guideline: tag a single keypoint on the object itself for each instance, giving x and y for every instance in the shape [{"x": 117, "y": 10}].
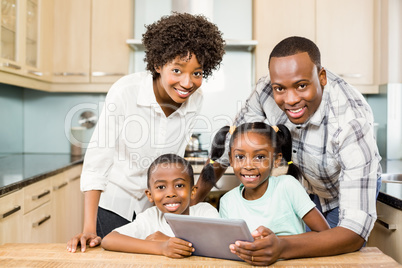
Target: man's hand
[
  {"x": 83, "y": 238},
  {"x": 265, "y": 249}
]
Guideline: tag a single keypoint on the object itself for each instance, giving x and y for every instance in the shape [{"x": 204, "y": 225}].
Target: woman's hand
[
  {"x": 177, "y": 248},
  {"x": 265, "y": 249},
  {"x": 83, "y": 238}
]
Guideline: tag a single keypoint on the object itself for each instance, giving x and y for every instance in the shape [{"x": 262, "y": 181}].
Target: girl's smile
[{"x": 252, "y": 157}]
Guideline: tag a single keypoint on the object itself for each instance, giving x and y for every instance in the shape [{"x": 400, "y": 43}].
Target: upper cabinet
[
  {"x": 89, "y": 41},
  {"x": 71, "y": 45},
  {"x": 346, "y": 33},
  {"x": 25, "y": 38},
  {"x": 274, "y": 20}
]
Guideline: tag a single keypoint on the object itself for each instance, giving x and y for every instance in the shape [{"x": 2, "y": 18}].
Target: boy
[{"x": 171, "y": 188}]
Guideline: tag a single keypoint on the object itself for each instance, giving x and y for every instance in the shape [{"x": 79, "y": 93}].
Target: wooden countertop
[{"x": 56, "y": 255}]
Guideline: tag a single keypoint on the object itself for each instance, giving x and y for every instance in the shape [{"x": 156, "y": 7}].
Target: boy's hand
[
  {"x": 177, "y": 248},
  {"x": 157, "y": 236}
]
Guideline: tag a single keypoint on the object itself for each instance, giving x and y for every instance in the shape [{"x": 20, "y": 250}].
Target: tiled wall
[
  {"x": 40, "y": 122},
  {"x": 11, "y": 119}
]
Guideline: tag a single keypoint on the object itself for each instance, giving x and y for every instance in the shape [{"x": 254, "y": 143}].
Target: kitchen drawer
[
  {"x": 73, "y": 173},
  {"x": 37, "y": 225},
  {"x": 37, "y": 194},
  {"x": 11, "y": 209},
  {"x": 387, "y": 232}
]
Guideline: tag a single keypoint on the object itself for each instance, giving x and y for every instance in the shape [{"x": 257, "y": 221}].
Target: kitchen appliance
[
  {"x": 194, "y": 152},
  {"x": 394, "y": 121}
]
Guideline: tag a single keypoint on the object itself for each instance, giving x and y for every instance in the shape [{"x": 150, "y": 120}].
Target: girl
[
  {"x": 170, "y": 187},
  {"x": 278, "y": 203},
  {"x": 145, "y": 115}
]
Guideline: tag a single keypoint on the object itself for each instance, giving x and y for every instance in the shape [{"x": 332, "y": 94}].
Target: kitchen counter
[
  {"x": 391, "y": 193},
  {"x": 20, "y": 170},
  {"x": 55, "y": 255}
]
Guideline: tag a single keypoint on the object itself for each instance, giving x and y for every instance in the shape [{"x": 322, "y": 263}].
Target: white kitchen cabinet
[
  {"x": 387, "y": 232},
  {"x": 346, "y": 32},
  {"x": 11, "y": 212},
  {"x": 90, "y": 52}
]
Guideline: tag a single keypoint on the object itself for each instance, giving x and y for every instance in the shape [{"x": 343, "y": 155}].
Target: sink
[{"x": 391, "y": 178}]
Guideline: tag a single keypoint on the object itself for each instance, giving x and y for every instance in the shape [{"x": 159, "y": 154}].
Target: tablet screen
[{"x": 210, "y": 237}]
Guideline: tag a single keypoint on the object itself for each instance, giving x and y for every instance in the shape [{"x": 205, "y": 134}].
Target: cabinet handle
[
  {"x": 351, "y": 75},
  {"x": 70, "y": 74},
  {"x": 36, "y": 224},
  {"x": 386, "y": 225},
  {"x": 8, "y": 213},
  {"x": 36, "y": 197},
  {"x": 75, "y": 178},
  {"x": 35, "y": 73},
  {"x": 12, "y": 66},
  {"x": 107, "y": 74},
  {"x": 55, "y": 188}
]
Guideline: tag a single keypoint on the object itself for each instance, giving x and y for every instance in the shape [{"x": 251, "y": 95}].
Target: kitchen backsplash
[
  {"x": 34, "y": 121},
  {"x": 39, "y": 122}
]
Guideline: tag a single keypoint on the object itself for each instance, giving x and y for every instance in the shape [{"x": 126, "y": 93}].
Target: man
[{"x": 333, "y": 145}]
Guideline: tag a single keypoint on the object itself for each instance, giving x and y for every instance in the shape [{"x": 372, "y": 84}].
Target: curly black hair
[{"x": 180, "y": 34}]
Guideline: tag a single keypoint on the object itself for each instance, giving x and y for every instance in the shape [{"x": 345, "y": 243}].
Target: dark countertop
[
  {"x": 20, "y": 170},
  {"x": 391, "y": 193}
]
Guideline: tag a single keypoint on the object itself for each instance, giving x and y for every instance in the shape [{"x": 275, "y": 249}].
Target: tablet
[{"x": 210, "y": 237}]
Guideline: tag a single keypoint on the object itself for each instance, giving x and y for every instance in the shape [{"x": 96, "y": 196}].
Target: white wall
[{"x": 225, "y": 92}]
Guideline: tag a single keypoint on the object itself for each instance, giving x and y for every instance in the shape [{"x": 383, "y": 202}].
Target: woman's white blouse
[{"x": 132, "y": 131}]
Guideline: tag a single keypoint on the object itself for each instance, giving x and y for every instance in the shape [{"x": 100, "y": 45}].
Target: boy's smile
[{"x": 171, "y": 188}]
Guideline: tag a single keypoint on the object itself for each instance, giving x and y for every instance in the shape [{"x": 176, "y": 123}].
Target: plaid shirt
[{"x": 335, "y": 149}]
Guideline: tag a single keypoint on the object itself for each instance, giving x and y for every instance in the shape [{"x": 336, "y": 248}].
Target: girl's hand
[
  {"x": 265, "y": 249},
  {"x": 177, "y": 248},
  {"x": 83, "y": 238},
  {"x": 157, "y": 236}
]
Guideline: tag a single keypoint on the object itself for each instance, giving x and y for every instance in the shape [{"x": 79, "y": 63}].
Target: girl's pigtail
[
  {"x": 217, "y": 150},
  {"x": 286, "y": 149}
]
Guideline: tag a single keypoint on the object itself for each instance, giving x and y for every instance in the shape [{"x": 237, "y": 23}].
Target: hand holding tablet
[{"x": 209, "y": 236}]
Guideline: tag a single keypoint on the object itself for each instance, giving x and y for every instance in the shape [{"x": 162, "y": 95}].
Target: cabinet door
[
  {"x": 36, "y": 194},
  {"x": 71, "y": 52},
  {"x": 60, "y": 206},
  {"x": 37, "y": 225},
  {"x": 76, "y": 197},
  {"x": 112, "y": 25},
  {"x": 11, "y": 33},
  {"x": 11, "y": 212},
  {"x": 274, "y": 21},
  {"x": 387, "y": 232},
  {"x": 345, "y": 36}
]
